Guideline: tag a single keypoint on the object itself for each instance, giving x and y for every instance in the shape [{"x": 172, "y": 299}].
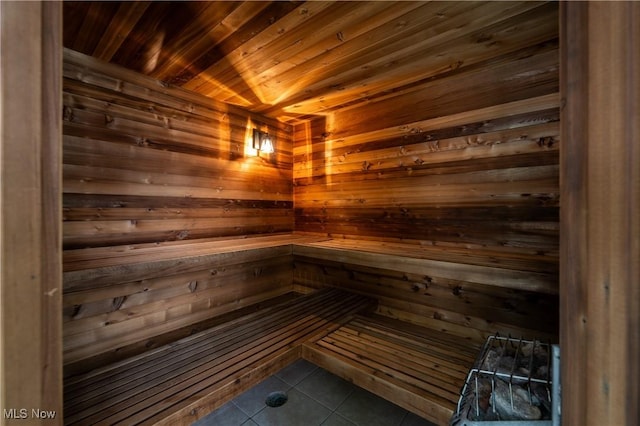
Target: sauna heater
[{"x": 513, "y": 382}]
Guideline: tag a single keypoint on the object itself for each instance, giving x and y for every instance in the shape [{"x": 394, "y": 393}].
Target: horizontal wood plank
[
  {"x": 87, "y": 259},
  {"x": 420, "y": 263}
]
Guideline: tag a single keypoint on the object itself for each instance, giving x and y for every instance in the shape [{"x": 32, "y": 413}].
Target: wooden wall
[
  {"x": 145, "y": 163},
  {"x": 465, "y": 163},
  {"x": 148, "y": 165}
]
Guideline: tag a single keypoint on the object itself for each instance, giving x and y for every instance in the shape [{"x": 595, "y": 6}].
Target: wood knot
[
  {"x": 483, "y": 38},
  {"x": 67, "y": 113},
  {"x": 546, "y": 142},
  {"x": 117, "y": 302},
  {"x": 76, "y": 311}
]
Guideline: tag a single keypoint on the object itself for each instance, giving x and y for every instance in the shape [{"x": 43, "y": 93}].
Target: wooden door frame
[
  {"x": 31, "y": 216},
  {"x": 600, "y": 213},
  {"x": 599, "y": 289}
]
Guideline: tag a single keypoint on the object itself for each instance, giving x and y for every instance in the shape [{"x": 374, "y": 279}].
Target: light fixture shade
[
  {"x": 263, "y": 142},
  {"x": 267, "y": 145}
]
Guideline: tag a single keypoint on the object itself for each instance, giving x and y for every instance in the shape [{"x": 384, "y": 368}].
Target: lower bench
[
  {"x": 180, "y": 382},
  {"x": 419, "y": 369}
]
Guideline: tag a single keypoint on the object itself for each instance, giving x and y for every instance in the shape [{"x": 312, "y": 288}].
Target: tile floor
[{"x": 315, "y": 397}]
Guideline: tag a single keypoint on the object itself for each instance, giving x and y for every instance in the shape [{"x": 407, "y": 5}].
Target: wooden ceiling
[{"x": 290, "y": 60}]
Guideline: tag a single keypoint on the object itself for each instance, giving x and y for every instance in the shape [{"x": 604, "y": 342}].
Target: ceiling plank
[
  {"x": 127, "y": 16},
  {"x": 329, "y": 28},
  {"x": 422, "y": 60},
  {"x": 329, "y": 24},
  {"x": 130, "y": 52},
  {"x": 216, "y": 23},
  {"x": 415, "y": 26},
  {"x": 94, "y": 22},
  {"x": 293, "y": 60},
  {"x": 221, "y": 71}
]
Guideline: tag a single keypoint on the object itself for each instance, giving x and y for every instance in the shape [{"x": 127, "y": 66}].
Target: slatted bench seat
[
  {"x": 436, "y": 306},
  {"x": 419, "y": 369},
  {"x": 180, "y": 382}
]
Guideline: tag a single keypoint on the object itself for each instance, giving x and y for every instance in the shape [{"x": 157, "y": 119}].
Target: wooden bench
[
  {"x": 80, "y": 263},
  {"x": 122, "y": 300},
  {"x": 436, "y": 306},
  {"x": 419, "y": 369},
  {"x": 469, "y": 292},
  {"x": 512, "y": 268},
  {"x": 180, "y": 382}
]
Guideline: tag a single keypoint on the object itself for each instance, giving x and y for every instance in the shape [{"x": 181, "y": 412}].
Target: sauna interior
[{"x": 410, "y": 207}]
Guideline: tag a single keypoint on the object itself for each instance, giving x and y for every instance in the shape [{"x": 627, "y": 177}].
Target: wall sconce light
[{"x": 263, "y": 142}]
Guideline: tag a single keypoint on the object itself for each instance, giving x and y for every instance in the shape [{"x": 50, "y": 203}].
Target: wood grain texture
[
  {"x": 442, "y": 199},
  {"x": 128, "y": 351},
  {"x": 30, "y": 321},
  {"x": 456, "y": 296},
  {"x": 600, "y": 243},
  {"x": 119, "y": 296},
  {"x": 293, "y": 60},
  {"x": 389, "y": 118},
  {"x": 126, "y": 136},
  {"x": 414, "y": 367},
  {"x": 178, "y": 383},
  {"x": 147, "y": 168}
]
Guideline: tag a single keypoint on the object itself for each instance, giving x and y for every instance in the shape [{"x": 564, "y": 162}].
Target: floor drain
[{"x": 276, "y": 399}]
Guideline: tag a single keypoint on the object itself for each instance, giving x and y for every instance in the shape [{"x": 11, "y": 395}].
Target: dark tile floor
[{"x": 315, "y": 397}]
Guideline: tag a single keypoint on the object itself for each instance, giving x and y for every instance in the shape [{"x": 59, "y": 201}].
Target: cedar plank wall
[
  {"x": 463, "y": 163},
  {"x": 146, "y": 164}
]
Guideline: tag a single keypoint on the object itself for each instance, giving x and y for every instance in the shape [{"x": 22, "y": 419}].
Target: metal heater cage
[{"x": 511, "y": 355}]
